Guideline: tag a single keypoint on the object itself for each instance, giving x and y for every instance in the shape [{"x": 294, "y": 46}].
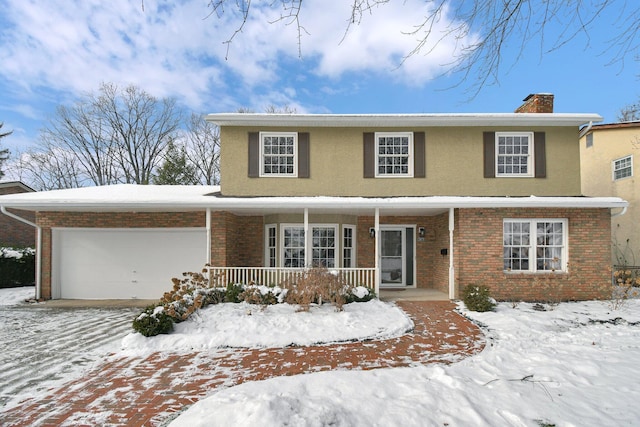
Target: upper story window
[
  {"x": 589, "y": 140},
  {"x": 394, "y": 154},
  {"x": 622, "y": 168},
  {"x": 514, "y": 154},
  {"x": 278, "y": 153}
]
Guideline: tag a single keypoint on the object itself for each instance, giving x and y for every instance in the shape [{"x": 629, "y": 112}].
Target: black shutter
[
  {"x": 254, "y": 155},
  {"x": 303, "y": 155},
  {"x": 489, "y": 140},
  {"x": 419, "y": 164},
  {"x": 540, "y": 159},
  {"x": 369, "y": 154}
]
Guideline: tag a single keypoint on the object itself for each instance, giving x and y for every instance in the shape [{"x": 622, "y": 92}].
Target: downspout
[
  {"x": 586, "y": 130},
  {"x": 376, "y": 225},
  {"x": 452, "y": 287},
  {"x": 38, "y": 246}
]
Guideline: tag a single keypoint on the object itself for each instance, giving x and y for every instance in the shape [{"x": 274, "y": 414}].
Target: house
[
  {"x": 390, "y": 201},
  {"x": 14, "y": 233},
  {"x": 610, "y": 159}
]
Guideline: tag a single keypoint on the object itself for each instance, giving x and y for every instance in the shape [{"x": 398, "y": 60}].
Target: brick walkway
[{"x": 146, "y": 392}]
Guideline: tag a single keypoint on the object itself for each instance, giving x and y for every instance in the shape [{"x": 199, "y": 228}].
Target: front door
[{"x": 393, "y": 257}]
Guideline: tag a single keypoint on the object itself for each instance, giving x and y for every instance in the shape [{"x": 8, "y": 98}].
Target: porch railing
[{"x": 280, "y": 276}]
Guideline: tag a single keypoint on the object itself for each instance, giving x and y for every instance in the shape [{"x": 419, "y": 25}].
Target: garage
[{"x": 123, "y": 263}]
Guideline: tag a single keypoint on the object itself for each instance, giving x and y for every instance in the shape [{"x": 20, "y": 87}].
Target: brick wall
[
  {"x": 480, "y": 255},
  {"x": 537, "y": 103},
  {"x": 14, "y": 233},
  {"x": 236, "y": 241}
]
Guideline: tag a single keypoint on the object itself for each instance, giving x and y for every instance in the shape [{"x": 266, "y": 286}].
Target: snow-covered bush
[
  {"x": 477, "y": 298},
  {"x": 359, "y": 294},
  {"x": 153, "y": 321},
  {"x": 17, "y": 266}
]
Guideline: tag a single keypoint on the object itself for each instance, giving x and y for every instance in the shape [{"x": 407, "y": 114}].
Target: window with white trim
[
  {"x": 348, "y": 246},
  {"x": 278, "y": 154},
  {"x": 293, "y": 246},
  {"x": 323, "y": 243},
  {"x": 394, "y": 154},
  {"x": 271, "y": 246},
  {"x": 514, "y": 154},
  {"x": 535, "y": 245},
  {"x": 623, "y": 168}
]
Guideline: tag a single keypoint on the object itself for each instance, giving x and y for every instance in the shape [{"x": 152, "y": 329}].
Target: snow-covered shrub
[
  {"x": 153, "y": 321},
  {"x": 317, "y": 285},
  {"x": 17, "y": 266},
  {"x": 359, "y": 294},
  {"x": 189, "y": 294},
  {"x": 263, "y": 295},
  {"x": 234, "y": 292},
  {"x": 477, "y": 298}
]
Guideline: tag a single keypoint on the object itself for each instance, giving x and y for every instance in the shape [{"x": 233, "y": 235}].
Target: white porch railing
[{"x": 269, "y": 276}]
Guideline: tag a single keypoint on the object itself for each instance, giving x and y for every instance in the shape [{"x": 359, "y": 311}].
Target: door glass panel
[{"x": 391, "y": 253}]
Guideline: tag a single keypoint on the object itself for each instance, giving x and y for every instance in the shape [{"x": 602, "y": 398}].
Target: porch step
[{"x": 412, "y": 294}]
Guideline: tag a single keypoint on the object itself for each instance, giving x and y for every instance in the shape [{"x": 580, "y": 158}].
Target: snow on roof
[
  {"x": 129, "y": 197},
  {"x": 388, "y": 120}
]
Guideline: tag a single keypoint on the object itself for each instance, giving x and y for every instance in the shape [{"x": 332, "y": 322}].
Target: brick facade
[
  {"x": 236, "y": 241},
  {"x": 14, "y": 233},
  {"x": 479, "y": 255}
]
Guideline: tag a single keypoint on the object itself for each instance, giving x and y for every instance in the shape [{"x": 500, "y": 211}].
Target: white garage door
[{"x": 123, "y": 263}]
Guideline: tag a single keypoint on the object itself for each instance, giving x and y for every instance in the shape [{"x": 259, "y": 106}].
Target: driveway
[{"x": 44, "y": 347}]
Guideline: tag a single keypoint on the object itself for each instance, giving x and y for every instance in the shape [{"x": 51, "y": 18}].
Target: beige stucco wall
[
  {"x": 454, "y": 165},
  {"x": 597, "y": 180}
]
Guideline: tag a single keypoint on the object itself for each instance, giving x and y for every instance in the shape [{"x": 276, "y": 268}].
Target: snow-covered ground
[{"x": 576, "y": 365}]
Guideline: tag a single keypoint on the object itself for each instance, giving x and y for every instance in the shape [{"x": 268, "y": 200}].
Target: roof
[
  {"x": 8, "y": 184},
  {"x": 130, "y": 197},
  {"x": 399, "y": 120},
  {"x": 619, "y": 125}
]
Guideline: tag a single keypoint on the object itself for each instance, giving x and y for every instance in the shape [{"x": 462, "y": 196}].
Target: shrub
[
  {"x": 17, "y": 267},
  {"x": 263, "y": 295},
  {"x": 477, "y": 298},
  {"x": 234, "y": 292},
  {"x": 153, "y": 321},
  {"x": 317, "y": 285},
  {"x": 359, "y": 294}
]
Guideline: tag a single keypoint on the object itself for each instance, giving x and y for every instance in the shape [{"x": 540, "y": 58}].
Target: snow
[
  {"x": 573, "y": 366},
  {"x": 176, "y": 197},
  {"x": 280, "y": 325}
]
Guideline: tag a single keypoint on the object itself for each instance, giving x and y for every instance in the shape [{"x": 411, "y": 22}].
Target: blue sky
[{"x": 53, "y": 53}]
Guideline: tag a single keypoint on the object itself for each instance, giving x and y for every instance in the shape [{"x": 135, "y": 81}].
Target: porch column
[
  {"x": 452, "y": 289},
  {"x": 376, "y": 227},
  {"x": 307, "y": 240},
  {"x": 208, "y": 226}
]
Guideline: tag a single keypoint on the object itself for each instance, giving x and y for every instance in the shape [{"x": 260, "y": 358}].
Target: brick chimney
[{"x": 537, "y": 103}]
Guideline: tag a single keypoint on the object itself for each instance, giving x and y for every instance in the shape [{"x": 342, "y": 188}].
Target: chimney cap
[{"x": 531, "y": 95}]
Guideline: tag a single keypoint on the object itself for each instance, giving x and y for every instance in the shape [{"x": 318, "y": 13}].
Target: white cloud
[{"x": 170, "y": 49}]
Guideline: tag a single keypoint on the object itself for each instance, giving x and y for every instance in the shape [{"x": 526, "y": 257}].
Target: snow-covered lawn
[{"x": 574, "y": 366}]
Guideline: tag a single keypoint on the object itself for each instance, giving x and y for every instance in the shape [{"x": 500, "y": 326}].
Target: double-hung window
[
  {"x": 348, "y": 246},
  {"x": 623, "y": 168},
  {"x": 531, "y": 245},
  {"x": 324, "y": 246},
  {"x": 278, "y": 154},
  {"x": 514, "y": 154},
  {"x": 394, "y": 154}
]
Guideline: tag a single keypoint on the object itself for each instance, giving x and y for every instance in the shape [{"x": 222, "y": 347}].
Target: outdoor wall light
[
  {"x": 444, "y": 252},
  {"x": 421, "y": 232},
  {"x": 372, "y": 232}
]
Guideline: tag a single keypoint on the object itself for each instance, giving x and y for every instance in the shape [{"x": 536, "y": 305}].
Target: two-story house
[
  {"x": 432, "y": 201},
  {"x": 610, "y": 160}
]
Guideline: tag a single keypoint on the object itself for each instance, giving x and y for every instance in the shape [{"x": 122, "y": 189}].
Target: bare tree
[
  {"x": 115, "y": 135},
  {"x": 50, "y": 168},
  {"x": 630, "y": 113},
  {"x": 4, "y": 153},
  {"x": 140, "y": 125},
  {"x": 497, "y": 23},
  {"x": 203, "y": 149}
]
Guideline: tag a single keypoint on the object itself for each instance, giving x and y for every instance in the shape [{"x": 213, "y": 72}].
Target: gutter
[
  {"x": 38, "y": 246},
  {"x": 586, "y": 129},
  {"x": 622, "y": 212}
]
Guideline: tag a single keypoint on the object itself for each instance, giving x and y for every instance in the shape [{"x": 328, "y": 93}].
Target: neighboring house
[
  {"x": 610, "y": 159},
  {"x": 436, "y": 201},
  {"x": 14, "y": 233}
]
